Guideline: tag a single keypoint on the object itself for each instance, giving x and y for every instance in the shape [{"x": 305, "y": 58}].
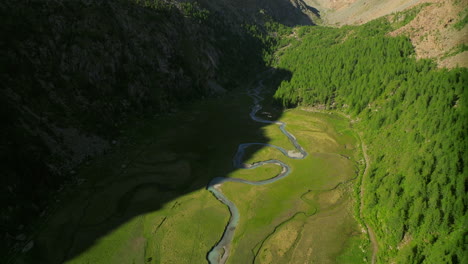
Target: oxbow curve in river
[{"x": 220, "y": 252}]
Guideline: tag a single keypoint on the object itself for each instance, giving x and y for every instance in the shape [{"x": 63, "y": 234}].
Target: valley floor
[{"x": 147, "y": 202}]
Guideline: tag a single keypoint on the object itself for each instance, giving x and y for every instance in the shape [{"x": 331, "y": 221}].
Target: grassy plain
[
  {"x": 308, "y": 216},
  {"x": 146, "y": 202}
]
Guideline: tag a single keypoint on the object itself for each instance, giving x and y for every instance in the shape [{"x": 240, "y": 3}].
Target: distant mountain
[{"x": 286, "y": 12}]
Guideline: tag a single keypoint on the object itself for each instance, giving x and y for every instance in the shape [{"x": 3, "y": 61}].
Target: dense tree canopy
[{"x": 413, "y": 116}]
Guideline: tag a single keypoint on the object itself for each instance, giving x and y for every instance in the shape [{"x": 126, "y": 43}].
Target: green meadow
[
  {"x": 146, "y": 202},
  {"x": 307, "y": 216}
]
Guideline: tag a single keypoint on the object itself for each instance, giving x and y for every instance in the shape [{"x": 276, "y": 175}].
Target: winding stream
[{"x": 220, "y": 252}]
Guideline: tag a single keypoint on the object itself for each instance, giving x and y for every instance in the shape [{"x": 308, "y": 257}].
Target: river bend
[{"x": 220, "y": 252}]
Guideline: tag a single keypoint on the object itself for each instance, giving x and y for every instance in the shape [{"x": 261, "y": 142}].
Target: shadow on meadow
[
  {"x": 176, "y": 155},
  {"x": 75, "y": 46}
]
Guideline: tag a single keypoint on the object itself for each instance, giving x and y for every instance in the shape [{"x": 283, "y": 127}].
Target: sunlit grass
[
  {"x": 189, "y": 149},
  {"x": 266, "y": 209}
]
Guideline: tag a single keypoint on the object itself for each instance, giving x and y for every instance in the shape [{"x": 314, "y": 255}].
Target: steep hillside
[
  {"x": 413, "y": 117},
  {"x": 438, "y": 31},
  {"x": 75, "y": 72},
  {"x": 287, "y": 12},
  {"x": 341, "y": 12}
]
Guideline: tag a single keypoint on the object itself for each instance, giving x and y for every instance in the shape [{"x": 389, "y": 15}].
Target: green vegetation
[
  {"x": 308, "y": 211},
  {"x": 414, "y": 118},
  {"x": 462, "y": 19},
  {"x": 145, "y": 201},
  {"x": 456, "y": 50},
  {"x": 150, "y": 199},
  {"x": 400, "y": 19}
]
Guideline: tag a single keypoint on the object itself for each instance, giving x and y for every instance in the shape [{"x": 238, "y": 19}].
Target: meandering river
[{"x": 220, "y": 252}]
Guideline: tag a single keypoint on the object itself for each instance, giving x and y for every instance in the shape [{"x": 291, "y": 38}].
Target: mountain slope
[
  {"x": 341, "y": 12},
  {"x": 75, "y": 72},
  {"x": 438, "y": 31},
  {"x": 413, "y": 117},
  {"x": 286, "y": 12}
]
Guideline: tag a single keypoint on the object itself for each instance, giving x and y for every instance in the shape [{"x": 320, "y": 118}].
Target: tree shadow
[
  {"x": 314, "y": 10},
  {"x": 299, "y": 14}
]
